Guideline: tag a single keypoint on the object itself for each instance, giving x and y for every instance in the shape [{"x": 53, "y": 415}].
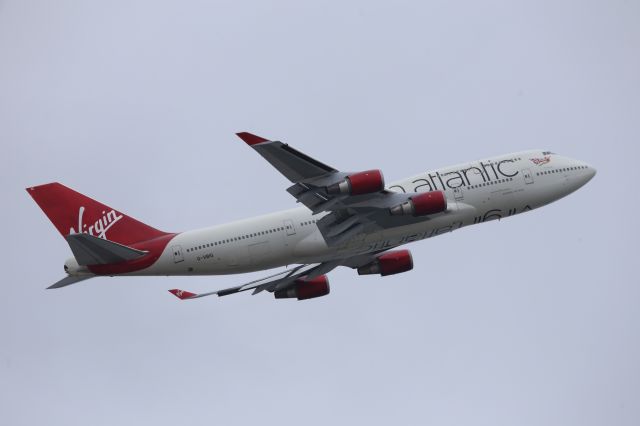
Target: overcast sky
[{"x": 533, "y": 320}]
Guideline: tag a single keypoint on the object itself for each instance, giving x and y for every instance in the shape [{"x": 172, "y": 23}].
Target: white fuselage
[{"x": 476, "y": 192}]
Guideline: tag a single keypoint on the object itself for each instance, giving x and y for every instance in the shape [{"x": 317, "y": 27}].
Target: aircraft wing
[
  {"x": 356, "y": 202},
  {"x": 279, "y": 281}
]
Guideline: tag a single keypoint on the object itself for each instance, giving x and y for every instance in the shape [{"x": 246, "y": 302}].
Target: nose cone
[
  {"x": 589, "y": 172},
  {"x": 584, "y": 174}
]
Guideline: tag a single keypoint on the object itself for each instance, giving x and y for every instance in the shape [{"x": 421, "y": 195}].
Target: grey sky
[{"x": 533, "y": 320}]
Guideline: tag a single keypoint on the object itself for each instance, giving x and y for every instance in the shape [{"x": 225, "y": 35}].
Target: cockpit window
[{"x": 548, "y": 153}]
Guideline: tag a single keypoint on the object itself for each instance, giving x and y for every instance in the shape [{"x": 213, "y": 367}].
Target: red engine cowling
[
  {"x": 303, "y": 289},
  {"x": 422, "y": 204},
  {"x": 392, "y": 262},
  {"x": 358, "y": 184}
]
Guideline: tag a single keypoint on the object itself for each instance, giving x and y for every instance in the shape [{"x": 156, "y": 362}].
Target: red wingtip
[
  {"x": 250, "y": 138},
  {"x": 182, "y": 294}
]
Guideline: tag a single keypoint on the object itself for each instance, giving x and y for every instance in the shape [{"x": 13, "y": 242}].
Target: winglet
[
  {"x": 182, "y": 294},
  {"x": 250, "y": 138}
]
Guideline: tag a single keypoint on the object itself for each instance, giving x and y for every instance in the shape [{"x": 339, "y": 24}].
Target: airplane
[{"x": 350, "y": 219}]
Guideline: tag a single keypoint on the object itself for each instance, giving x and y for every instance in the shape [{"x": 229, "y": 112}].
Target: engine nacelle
[
  {"x": 358, "y": 184},
  {"x": 303, "y": 289},
  {"x": 422, "y": 204},
  {"x": 389, "y": 263}
]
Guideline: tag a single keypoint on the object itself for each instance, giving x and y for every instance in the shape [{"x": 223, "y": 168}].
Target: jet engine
[
  {"x": 422, "y": 204},
  {"x": 358, "y": 184},
  {"x": 303, "y": 289},
  {"x": 389, "y": 263}
]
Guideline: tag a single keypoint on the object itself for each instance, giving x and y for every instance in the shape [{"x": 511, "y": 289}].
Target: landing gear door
[
  {"x": 528, "y": 176},
  {"x": 178, "y": 255}
]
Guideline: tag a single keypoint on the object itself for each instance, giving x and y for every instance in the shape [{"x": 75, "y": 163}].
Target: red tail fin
[{"x": 72, "y": 212}]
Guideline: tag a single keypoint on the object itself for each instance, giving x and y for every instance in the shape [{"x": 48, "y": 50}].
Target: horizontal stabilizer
[
  {"x": 71, "y": 279},
  {"x": 90, "y": 250}
]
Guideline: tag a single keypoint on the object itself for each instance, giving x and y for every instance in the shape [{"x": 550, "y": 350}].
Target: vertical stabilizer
[{"x": 72, "y": 213}]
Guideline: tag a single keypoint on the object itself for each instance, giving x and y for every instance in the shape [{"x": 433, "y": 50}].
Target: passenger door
[
  {"x": 178, "y": 255},
  {"x": 457, "y": 194},
  {"x": 288, "y": 226}
]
